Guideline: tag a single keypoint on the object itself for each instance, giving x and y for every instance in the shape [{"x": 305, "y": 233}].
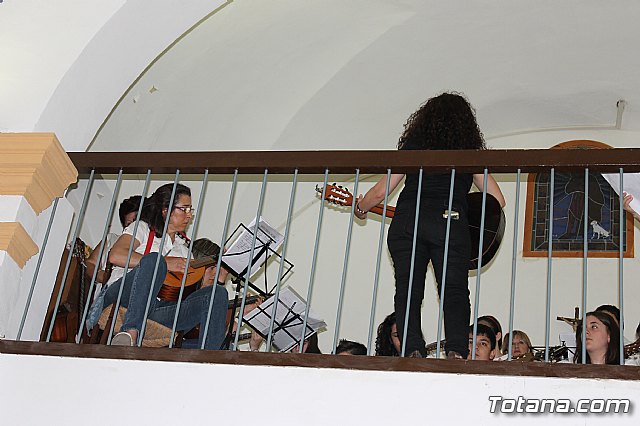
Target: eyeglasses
[{"x": 186, "y": 209}]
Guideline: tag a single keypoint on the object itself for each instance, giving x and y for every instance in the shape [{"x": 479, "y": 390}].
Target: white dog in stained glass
[{"x": 599, "y": 231}]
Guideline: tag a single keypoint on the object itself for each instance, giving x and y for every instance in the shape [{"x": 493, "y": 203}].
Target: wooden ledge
[
  {"x": 35, "y": 166},
  {"x": 16, "y": 242},
  {"x": 619, "y": 372}
]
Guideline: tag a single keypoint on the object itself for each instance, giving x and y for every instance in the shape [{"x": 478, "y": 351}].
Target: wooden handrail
[
  {"x": 366, "y": 363},
  {"x": 225, "y": 162}
]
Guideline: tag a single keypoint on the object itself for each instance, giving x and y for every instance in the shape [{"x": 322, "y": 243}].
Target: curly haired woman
[{"x": 445, "y": 122}]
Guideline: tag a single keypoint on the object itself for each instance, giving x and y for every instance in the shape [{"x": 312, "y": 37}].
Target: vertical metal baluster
[
  {"x": 225, "y": 231},
  {"x": 476, "y": 303},
  {"x": 620, "y": 273},
  {"x": 126, "y": 265},
  {"x": 105, "y": 231},
  {"x": 444, "y": 264},
  {"x": 37, "y": 270},
  {"x": 513, "y": 265},
  {"x": 253, "y": 247},
  {"x": 314, "y": 261},
  {"x": 377, "y": 273},
  {"x": 549, "y": 258},
  {"x": 155, "y": 269},
  {"x": 413, "y": 261},
  {"x": 85, "y": 201},
  {"x": 184, "y": 275},
  {"x": 584, "y": 264},
  {"x": 284, "y": 256},
  {"x": 345, "y": 264}
]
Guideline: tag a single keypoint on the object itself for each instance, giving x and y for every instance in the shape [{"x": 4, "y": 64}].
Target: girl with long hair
[
  {"x": 445, "y": 122},
  {"x": 602, "y": 339}
]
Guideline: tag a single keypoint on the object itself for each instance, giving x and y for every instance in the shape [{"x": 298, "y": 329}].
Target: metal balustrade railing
[{"x": 234, "y": 165}]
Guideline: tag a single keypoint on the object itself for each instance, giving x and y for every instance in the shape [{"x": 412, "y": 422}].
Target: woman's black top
[{"x": 435, "y": 191}]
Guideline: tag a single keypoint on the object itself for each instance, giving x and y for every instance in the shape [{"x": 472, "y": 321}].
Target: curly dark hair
[
  {"x": 446, "y": 121},
  {"x": 154, "y": 205},
  {"x": 384, "y": 345},
  {"x": 613, "y": 350}
]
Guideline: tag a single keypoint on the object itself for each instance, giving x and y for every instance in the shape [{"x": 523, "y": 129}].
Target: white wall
[
  {"x": 149, "y": 392},
  {"x": 530, "y": 296},
  {"x": 16, "y": 287}
]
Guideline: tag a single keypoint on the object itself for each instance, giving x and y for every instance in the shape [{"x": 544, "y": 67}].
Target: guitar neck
[{"x": 379, "y": 209}]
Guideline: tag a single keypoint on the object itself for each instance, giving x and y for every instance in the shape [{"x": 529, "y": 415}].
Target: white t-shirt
[
  {"x": 111, "y": 240},
  {"x": 178, "y": 248}
]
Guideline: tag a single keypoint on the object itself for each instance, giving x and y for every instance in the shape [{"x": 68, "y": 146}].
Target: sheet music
[
  {"x": 631, "y": 186},
  {"x": 237, "y": 255},
  {"x": 289, "y": 319}
]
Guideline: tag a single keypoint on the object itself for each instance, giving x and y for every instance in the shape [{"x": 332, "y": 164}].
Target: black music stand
[
  {"x": 262, "y": 255},
  {"x": 288, "y": 322}
]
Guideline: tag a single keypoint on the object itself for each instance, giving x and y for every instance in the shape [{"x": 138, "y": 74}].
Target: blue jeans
[{"x": 193, "y": 309}]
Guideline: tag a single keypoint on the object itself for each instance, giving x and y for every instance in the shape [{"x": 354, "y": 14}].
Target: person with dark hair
[
  {"x": 445, "y": 122},
  {"x": 348, "y": 347},
  {"x": 485, "y": 343},
  {"x": 387, "y": 340},
  {"x": 493, "y": 323},
  {"x": 204, "y": 247},
  {"x": 127, "y": 212},
  {"x": 614, "y": 311},
  {"x": 602, "y": 339},
  {"x": 610, "y": 309},
  {"x": 140, "y": 286},
  {"x": 309, "y": 346}
]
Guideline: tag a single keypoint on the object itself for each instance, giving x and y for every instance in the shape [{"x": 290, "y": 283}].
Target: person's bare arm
[
  {"x": 375, "y": 195},
  {"x": 120, "y": 250},
  {"x": 92, "y": 262},
  {"x": 628, "y": 198},
  {"x": 492, "y": 187}
]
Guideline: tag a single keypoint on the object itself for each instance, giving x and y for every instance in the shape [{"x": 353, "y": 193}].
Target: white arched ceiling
[
  {"x": 345, "y": 74},
  {"x": 39, "y": 41},
  {"x": 110, "y": 61}
]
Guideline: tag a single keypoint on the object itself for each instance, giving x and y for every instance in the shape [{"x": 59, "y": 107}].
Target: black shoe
[{"x": 415, "y": 354}]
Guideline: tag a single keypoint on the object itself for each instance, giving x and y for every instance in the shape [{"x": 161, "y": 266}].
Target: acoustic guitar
[
  {"x": 494, "y": 222},
  {"x": 631, "y": 349},
  {"x": 170, "y": 289}
]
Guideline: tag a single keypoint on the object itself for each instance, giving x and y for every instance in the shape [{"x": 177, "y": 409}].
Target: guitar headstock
[{"x": 336, "y": 194}]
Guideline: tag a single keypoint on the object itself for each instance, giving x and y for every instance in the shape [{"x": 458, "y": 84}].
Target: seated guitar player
[
  {"x": 204, "y": 248},
  {"x": 138, "y": 283}
]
